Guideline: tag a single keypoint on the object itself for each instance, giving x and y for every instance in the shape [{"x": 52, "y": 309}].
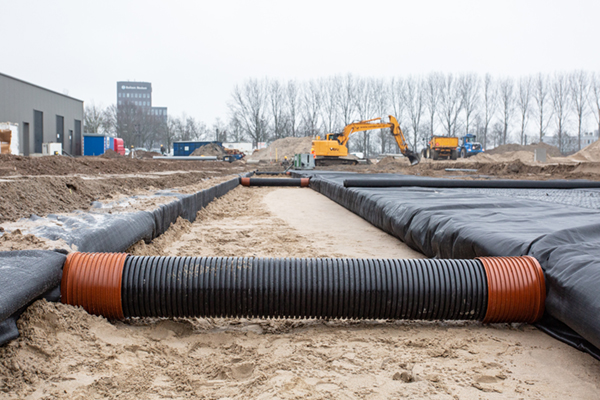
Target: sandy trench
[{"x": 65, "y": 353}]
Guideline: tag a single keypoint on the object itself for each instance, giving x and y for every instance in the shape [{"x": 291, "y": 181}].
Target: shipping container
[
  {"x": 96, "y": 145},
  {"x": 186, "y": 148}
]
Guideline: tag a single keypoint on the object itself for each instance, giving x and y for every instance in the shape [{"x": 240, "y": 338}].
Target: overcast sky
[{"x": 194, "y": 52}]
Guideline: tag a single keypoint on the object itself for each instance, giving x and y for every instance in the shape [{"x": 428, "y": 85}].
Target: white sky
[{"x": 194, "y": 52}]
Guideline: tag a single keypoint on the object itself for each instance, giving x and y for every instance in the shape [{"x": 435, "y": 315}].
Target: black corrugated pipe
[
  {"x": 119, "y": 286},
  {"x": 303, "y": 182},
  {"x": 463, "y": 183},
  {"x": 273, "y": 172}
]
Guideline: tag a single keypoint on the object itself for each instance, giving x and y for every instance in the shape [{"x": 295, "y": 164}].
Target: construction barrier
[
  {"x": 488, "y": 289},
  {"x": 302, "y": 182}
]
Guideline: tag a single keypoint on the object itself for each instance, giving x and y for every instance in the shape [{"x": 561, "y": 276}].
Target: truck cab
[{"x": 469, "y": 146}]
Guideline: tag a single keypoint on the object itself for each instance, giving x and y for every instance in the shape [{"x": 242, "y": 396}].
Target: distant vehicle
[
  {"x": 441, "y": 146},
  {"x": 469, "y": 146}
]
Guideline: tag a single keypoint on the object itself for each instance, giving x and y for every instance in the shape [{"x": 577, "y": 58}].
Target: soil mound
[
  {"x": 211, "y": 149},
  {"x": 111, "y": 154},
  {"x": 145, "y": 154},
  {"x": 589, "y": 153},
  {"x": 282, "y": 148},
  {"x": 511, "y": 147}
]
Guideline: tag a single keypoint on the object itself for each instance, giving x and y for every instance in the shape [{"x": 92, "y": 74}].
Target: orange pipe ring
[
  {"x": 304, "y": 182},
  {"x": 516, "y": 289},
  {"x": 93, "y": 281},
  {"x": 245, "y": 181}
]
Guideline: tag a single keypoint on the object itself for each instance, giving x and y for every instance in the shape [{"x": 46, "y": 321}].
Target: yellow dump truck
[{"x": 441, "y": 146}]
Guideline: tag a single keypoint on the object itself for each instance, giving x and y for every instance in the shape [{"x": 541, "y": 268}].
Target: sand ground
[{"x": 65, "y": 353}]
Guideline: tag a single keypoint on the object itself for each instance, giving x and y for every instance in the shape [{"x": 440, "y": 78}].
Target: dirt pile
[
  {"x": 11, "y": 165},
  {"x": 141, "y": 154},
  {"x": 111, "y": 154},
  {"x": 282, "y": 148},
  {"x": 211, "y": 149},
  {"x": 551, "y": 151},
  {"x": 589, "y": 153}
]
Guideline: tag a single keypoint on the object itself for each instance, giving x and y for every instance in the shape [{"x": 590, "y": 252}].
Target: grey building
[
  {"x": 43, "y": 115},
  {"x": 138, "y": 94}
]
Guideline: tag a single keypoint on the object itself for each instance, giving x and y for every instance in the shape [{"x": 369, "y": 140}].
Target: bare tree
[
  {"x": 381, "y": 98},
  {"x": 330, "y": 92},
  {"x": 540, "y": 94},
  {"x": 470, "y": 91},
  {"x": 365, "y": 106},
  {"x": 415, "y": 104},
  {"x": 594, "y": 98},
  {"x": 450, "y": 104},
  {"x": 347, "y": 99},
  {"x": 432, "y": 97},
  {"x": 523, "y": 103},
  {"x": 292, "y": 108},
  {"x": 507, "y": 105},
  {"x": 489, "y": 106},
  {"x": 277, "y": 108},
  {"x": 579, "y": 88},
  {"x": 559, "y": 94},
  {"x": 249, "y": 104},
  {"x": 94, "y": 119},
  {"x": 311, "y": 109}
]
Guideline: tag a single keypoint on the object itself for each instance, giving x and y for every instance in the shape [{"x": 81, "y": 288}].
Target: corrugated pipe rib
[
  {"x": 462, "y": 183},
  {"x": 303, "y": 182},
  {"x": 272, "y": 172},
  {"x": 487, "y": 289}
]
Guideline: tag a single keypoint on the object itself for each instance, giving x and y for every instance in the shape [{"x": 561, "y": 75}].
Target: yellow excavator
[{"x": 333, "y": 149}]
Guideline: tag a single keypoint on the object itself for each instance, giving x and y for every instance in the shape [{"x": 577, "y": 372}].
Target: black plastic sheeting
[
  {"x": 463, "y": 183},
  {"x": 304, "y": 288},
  {"x": 463, "y": 223},
  {"x": 26, "y": 276},
  {"x": 91, "y": 232}
]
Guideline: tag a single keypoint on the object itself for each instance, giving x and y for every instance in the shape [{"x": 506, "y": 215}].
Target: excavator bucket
[{"x": 412, "y": 157}]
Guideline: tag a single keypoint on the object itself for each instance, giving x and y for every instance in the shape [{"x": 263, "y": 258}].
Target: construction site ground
[{"x": 63, "y": 352}]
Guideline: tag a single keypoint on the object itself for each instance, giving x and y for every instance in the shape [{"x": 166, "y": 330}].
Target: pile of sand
[
  {"x": 589, "y": 153},
  {"x": 211, "y": 149},
  {"x": 282, "y": 148},
  {"x": 551, "y": 151}
]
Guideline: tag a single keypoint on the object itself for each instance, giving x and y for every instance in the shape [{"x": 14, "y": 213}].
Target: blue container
[
  {"x": 96, "y": 145},
  {"x": 186, "y": 148}
]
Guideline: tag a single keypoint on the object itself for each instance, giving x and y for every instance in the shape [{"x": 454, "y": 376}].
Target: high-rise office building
[{"x": 134, "y": 93}]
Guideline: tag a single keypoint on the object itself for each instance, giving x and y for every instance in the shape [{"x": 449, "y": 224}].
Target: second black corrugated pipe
[
  {"x": 303, "y": 182},
  {"x": 463, "y": 183},
  {"x": 307, "y": 288}
]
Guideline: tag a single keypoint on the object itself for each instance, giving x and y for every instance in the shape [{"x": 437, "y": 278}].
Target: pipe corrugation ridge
[
  {"x": 93, "y": 281},
  {"x": 517, "y": 290}
]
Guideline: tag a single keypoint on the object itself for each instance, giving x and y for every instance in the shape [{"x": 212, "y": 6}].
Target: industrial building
[{"x": 42, "y": 115}]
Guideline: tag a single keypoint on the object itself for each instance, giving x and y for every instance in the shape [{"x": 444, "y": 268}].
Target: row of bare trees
[
  {"x": 498, "y": 109},
  {"x": 139, "y": 128}
]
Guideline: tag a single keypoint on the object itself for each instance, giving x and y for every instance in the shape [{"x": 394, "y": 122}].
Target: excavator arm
[{"x": 370, "y": 125}]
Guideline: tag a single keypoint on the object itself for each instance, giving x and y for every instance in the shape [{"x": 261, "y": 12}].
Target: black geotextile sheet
[
  {"x": 463, "y": 223},
  {"x": 96, "y": 232},
  {"x": 28, "y": 275}
]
